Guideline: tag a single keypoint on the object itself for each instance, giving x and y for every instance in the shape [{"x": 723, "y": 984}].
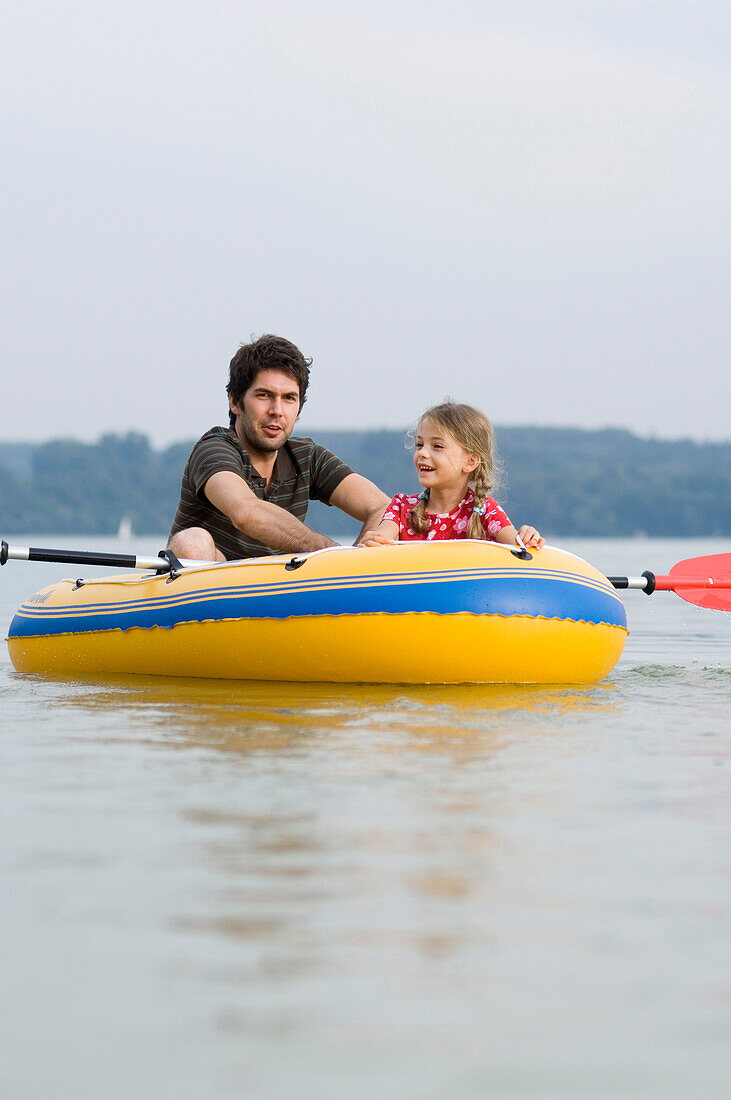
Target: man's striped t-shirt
[{"x": 303, "y": 471}]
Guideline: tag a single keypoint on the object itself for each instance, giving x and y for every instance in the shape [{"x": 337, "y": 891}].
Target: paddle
[{"x": 702, "y": 581}]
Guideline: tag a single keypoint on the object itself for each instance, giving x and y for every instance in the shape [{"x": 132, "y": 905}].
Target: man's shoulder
[
  {"x": 227, "y": 435},
  {"x": 218, "y": 446},
  {"x": 217, "y": 440}
]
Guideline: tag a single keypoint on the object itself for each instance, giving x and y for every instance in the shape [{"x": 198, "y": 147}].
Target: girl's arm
[
  {"x": 529, "y": 535},
  {"x": 385, "y": 533}
]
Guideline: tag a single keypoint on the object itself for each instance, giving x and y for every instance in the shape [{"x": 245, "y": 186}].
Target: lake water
[{"x": 215, "y": 889}]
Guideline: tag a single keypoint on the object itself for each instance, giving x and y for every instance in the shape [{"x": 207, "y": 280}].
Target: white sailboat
[{"x": 124, "y": 531}]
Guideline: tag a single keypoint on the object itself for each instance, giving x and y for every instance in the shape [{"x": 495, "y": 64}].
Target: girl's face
[{"x": 441, "y": 463}]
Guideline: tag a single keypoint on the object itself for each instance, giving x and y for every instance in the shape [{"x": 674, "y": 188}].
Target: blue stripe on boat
[{"x": 535, "y": 595}]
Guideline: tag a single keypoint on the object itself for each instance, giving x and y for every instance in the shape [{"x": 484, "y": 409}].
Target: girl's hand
[
  {"x": 384, "y": 535},
  {"x": 531, "y": 537},
  {"x": 376, "y": 538}
]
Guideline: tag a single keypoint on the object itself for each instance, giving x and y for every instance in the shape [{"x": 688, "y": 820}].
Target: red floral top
[{"x": 453, "y": 525}]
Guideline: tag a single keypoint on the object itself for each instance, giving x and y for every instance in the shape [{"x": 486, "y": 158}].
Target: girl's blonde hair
[{"x": 472, "y": 430}]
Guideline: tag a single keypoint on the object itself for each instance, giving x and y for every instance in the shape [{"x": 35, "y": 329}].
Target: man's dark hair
[{"x": 267, "y": 353}]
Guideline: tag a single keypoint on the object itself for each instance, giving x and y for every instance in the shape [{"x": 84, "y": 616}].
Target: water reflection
[
  {"x": 248, "y": 716},
  {"x": 326, "y": 824}
]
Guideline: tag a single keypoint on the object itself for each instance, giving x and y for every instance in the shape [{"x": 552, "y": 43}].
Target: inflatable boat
[{"x": 415, "y": 612}]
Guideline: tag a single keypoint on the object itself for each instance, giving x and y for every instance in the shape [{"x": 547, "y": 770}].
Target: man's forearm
[{"x": 279, "y": 530}]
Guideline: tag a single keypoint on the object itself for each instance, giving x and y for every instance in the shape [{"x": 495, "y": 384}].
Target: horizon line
[{"x": 651, "y": 437}]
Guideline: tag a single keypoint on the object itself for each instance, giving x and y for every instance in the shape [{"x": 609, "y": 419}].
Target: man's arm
[
  {"x": 259, "y": 519},
  {"x": 362, "y": 500}
]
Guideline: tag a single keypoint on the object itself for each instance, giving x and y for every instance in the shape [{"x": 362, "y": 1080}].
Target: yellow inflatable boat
[
  {"x": 462, "y": 612},
  {"x": 416, "y": 612}
]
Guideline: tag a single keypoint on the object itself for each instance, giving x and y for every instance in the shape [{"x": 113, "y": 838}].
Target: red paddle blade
[{"x": 702, "y": 581}]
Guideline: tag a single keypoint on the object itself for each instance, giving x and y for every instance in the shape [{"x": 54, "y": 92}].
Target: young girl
[{"x": 454, "y": 459}]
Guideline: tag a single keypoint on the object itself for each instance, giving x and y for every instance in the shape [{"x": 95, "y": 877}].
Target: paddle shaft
[
  {"x": 684, "y": 585},
  {"x": 81, "y": 557},
  {"x": 650, "y": 583}
]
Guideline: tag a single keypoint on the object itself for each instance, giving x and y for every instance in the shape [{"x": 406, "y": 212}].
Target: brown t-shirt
[{"x": 303, "y": 471}]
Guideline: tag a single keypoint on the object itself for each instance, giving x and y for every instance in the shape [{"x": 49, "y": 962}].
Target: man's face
[{"x": 266, "y": 414}]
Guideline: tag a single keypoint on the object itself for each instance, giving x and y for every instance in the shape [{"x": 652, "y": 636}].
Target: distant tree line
[
  {"x": 565, "y": 481},
  {"x": 66, "y": 487}
]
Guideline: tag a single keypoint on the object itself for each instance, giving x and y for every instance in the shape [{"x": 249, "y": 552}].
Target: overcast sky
[{"x": 529, "y": 212}]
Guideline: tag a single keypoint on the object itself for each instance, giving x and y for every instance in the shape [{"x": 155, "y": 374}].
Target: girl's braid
[
  {"x": 418, "y": 519},
  {"x": 482, "y": 485}
]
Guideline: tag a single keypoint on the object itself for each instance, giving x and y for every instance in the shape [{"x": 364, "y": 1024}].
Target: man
[{"x": 245, "y": 488}]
